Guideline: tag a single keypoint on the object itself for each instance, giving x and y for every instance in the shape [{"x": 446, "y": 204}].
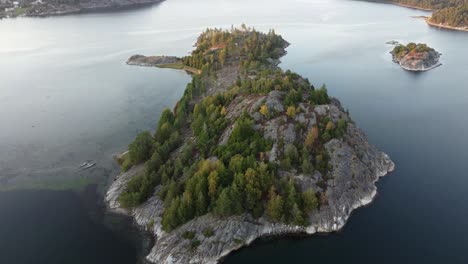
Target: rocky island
[
  {"x": 249, "y": 151},
  {"x": 416, "y": 57},
  {"x": 42, "y": 8}
]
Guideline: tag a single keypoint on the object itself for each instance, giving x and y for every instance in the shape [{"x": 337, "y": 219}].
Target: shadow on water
[{"x": 74, "y": 227}]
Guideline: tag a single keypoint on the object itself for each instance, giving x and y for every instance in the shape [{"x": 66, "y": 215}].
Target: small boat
[{"x": 87, "y": 164}]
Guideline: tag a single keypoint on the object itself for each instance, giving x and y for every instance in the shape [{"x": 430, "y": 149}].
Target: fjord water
[{"x": 66, "y": 96}]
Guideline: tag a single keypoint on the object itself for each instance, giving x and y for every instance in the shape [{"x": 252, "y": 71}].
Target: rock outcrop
[
  {"x": 151, "y": 61},
  {"x": 354, "y": 167}
]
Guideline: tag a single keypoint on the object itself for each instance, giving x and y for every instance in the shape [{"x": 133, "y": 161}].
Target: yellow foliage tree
[
  {"x": 212, "y": 184},
  {"x": 264, "y": 110},
  {"x": 330, "y": 126},
  {"x": 311, "y": 137},
  {"x": 223, "y": 111},
  {"x": 291, "y": 112}
]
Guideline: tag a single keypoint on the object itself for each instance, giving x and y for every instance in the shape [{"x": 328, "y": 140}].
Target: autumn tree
[
  {"x": 291, "y": 111},
  {"x": 311, "y": 137},
  {"x": 264, "y": 110},
  {"x": 275, "y": 205}
]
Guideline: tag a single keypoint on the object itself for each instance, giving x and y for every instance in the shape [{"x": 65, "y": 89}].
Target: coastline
[
  {"x": 261, "y": 229},
  {"x": 423, "y": 70},
  {"x": 402, "y": 5},
  {"x": 426, "y": 18},
  {"x": 410, "y": 6},
  {"x": 70, "y": 10},
  {"x": 442, "y": 26}
]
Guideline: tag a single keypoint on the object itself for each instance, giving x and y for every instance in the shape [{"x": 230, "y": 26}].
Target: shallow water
[{"x": 66, "y": 96}]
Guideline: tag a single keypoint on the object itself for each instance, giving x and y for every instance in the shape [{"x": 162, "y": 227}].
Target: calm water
[{"x": 66, "y": 96}]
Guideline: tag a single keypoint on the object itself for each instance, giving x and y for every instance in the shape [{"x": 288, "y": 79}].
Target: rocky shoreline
[
  {"x": 354, "y": 168},
  {"x": 45, "y": 8},
  {"x": 151, "y": 61},
  {"x": 233, "y": 233}
]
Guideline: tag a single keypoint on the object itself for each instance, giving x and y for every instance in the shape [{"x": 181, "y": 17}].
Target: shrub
[
  {"x": 189, "y": 235},
  {"x": 208, "y": 232}
]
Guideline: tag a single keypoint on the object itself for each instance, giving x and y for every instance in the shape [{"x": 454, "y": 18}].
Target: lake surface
[{"x": 67, "y": 96}]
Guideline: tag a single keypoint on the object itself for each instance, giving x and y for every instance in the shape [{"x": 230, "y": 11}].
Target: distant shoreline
[
  {"x": 427, "y": 19},
  {"x": 79, "y": 9},
  {"x": 399, "y": 4},
  {"x": 409, "y": 6}
]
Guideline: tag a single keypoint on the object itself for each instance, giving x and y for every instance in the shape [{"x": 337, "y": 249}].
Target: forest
[
  {"x": 453, "y": 16},
  {"x": 402, "y": 50}
]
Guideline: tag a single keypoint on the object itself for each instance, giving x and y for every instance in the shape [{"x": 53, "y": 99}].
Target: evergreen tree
[
  {"x": 252, "y": 188},
  {"x": 275, "y": 206},
  {"x": 141, "y": 148},
  {"x": 223, "y": 204},
  {"x": 309, "y": 200},
  {"x": 213, "y": 184}
]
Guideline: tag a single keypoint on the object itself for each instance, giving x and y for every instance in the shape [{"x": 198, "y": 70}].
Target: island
[
  {"x": 249, "y": 151},
  {"x": 448, "y": 14},
  {"x": 415, "y": 57},
  {"x": 42, "y": 8}
]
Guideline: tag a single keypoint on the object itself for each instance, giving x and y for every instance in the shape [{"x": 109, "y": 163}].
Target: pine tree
[
  {"x": 296, "y": 215},
  {"x": 252, "y": 188},
  {"x": 213, "y": 184},
  {"x": 171, "y": 219},
  {"x": 309, "y": 200},
  {"x": 200, "y": 204},
  {"x": 236, "y": 199},
  {"x": 223, "y": 204},
  {"x": 275, "y": 206}
]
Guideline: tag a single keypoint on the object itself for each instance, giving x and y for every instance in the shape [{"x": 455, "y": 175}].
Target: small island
[
  {"x": 415, "y": 57},
  {"x": 249, "y": 151}
]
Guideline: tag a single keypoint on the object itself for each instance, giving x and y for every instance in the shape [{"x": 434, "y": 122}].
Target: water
[{"x": 66, "y": 96}]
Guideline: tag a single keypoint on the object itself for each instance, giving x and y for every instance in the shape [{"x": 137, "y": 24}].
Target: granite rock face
[{"x": 151, "y": 61}]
